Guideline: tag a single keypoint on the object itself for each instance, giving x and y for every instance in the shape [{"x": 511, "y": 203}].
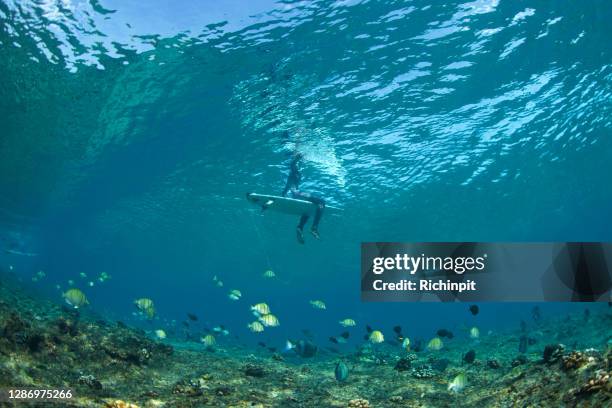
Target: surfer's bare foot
[
  {"x": 300, "y": 235},
  {"x": 315, "y": 233}
]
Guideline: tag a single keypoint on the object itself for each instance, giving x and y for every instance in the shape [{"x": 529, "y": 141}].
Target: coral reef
[
  {"x": 492, "y": 363},
  {"x": 518, "y": 360},
  {"x": 552, "y": 352},
  {"x": 253, "y": 370},
  {"x": 110, "y": 365},
  {"x": 423, "y": 371},
  {"x": 403, "y": 364},
  {"x": 120, "y": 404},
  {"x": 574, "y": 360},
  {"x": 358, "y": 403},
  {"x": 600, "y": 381}
]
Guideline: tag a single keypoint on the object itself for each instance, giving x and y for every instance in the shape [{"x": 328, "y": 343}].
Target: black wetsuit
[{"x": 293, "y": 183}]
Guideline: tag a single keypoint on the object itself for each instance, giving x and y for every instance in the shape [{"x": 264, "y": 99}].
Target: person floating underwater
[{"x": 292, "y": 186}]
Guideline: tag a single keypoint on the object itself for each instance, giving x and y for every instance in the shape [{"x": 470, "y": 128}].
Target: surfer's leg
[
  {"x": 299, "y": 231},
  {"x": 300, "y": 228},
  {"x": 318, "y": 215},
  {"x": 320, "y": 203},
  {"x": 314, "y": 229},
  {"x": 303, "y": 221}
]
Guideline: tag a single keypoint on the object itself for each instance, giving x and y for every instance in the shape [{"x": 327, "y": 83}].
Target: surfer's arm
[
  {"x": 286, "y": 189},
  {"x": 290, "y": 186},
  {"x": 294, "y": 176}
]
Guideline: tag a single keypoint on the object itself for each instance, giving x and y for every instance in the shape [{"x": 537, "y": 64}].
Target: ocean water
[{"x": 131, "y": 131}]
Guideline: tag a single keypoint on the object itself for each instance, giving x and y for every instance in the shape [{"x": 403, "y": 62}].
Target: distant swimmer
[{"x": 292, "y": 186}]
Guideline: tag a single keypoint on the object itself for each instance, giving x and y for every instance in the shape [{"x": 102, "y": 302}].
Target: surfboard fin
[{"x": 267, "y": 204}]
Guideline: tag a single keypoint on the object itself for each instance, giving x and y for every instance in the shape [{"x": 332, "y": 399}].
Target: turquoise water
[{"x": 130, "y": 134}]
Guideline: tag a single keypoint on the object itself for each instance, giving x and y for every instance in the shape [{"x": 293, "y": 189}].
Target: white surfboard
[{"x": 286, "y": 205}]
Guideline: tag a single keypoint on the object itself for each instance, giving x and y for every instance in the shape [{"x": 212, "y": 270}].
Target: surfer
[{"x": 292, "y": 186}]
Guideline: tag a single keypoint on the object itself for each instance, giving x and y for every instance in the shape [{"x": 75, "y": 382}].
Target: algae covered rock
[
  {"x": 252, "y": 370},
  {"x": 189, "y": 388},
  {"x": 423, "y": 371},
  {"x": 602, "y": 380},
  {"x": 90, "y": 381},
  {"x": 358, "y": 403},
  {"x": 403, "y": 364},
  {"x": 574, "y": 360},
  {"x": 132, "y": 348},
  {"x": 552, "y": 352},
  {"x": 493, "y": 363}
]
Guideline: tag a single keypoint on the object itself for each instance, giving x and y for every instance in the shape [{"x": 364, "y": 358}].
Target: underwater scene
[{"x": 185, "y": 187}]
